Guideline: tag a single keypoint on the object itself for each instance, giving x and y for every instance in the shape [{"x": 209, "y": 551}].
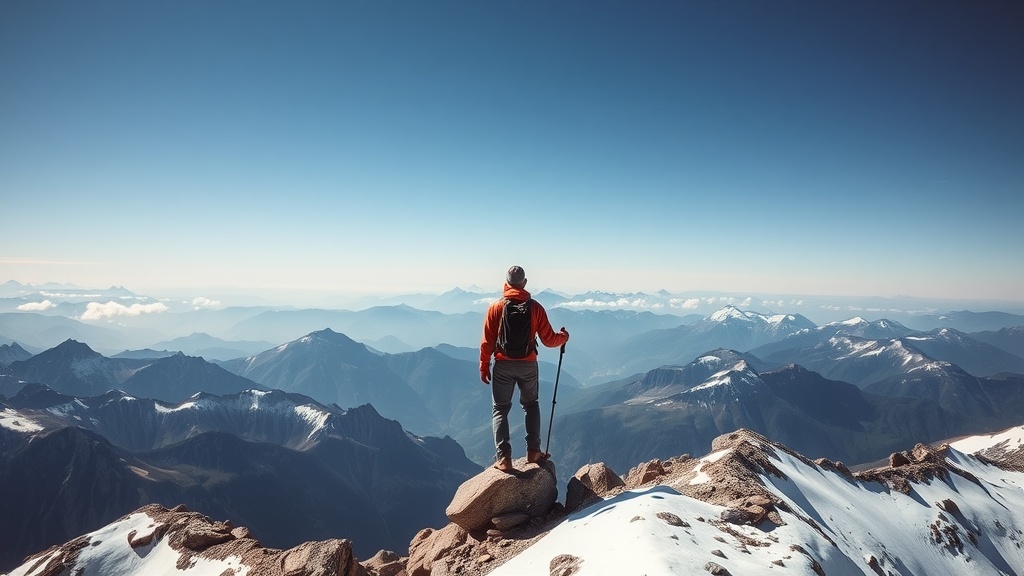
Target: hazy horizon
[
  {"x": 859, "y": 149},
  {"x": 820, "y": 307}
]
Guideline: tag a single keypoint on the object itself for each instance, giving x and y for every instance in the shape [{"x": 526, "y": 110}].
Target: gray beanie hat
[{"x": 516, "y": 276}]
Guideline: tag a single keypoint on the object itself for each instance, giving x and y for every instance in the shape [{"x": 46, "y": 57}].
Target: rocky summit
[{"x": 155, "y": 540}]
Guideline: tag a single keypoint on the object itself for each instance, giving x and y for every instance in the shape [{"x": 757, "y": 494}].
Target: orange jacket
[{"x": 538, "y": 318}]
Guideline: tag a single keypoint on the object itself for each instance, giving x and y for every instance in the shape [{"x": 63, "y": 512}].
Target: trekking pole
[{"x": 558, "y": 373}]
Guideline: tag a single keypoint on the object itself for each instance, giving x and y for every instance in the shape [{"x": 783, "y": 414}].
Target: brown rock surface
[
  {"x": 530, "y": 489},
  {"x": 589, "y": 484},
  {"x": 384, "y": 563},
  {"x": 428, "y": 546},
  {"x": 193, "y": 535}
]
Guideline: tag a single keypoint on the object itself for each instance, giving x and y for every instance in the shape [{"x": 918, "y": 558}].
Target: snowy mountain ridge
[
  {"x": 731, "y": 312},
  {"x": 751, "y": 506},
  {"x": 932, "y": 511},
  {"x": 268, "y": 416}
]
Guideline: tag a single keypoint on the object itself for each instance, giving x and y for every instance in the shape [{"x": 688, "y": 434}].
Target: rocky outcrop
[
  {"x": 384, "y": 563},
  {"x": 645, "y": 473},
  {"x": 495, "y": 499},
  {"x": 729, "y": 476},
  {"x": 590, "y": 484},
  {"x": 921, "y": 464},
  {"x": 194, "y": 538},
  {"x": 493, "y": 515},
  {"x": 431, "y": 546}
]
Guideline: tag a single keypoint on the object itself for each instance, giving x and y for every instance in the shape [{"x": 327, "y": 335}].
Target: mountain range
[
  {"x": 677, "y": 410},
  {"x": 862, "y": 352},
  {"x": 114, "y": 319},
  {"x": 266, "y": 440},
  {"x": 729, "y": 327},
  {"x": 75, "y": 369},
  {"x": 289, "y": 468},
  {"x": 435, "y": 393}
]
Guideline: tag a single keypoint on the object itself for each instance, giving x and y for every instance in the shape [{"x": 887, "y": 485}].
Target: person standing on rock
[{"x": 511, "y": 328}]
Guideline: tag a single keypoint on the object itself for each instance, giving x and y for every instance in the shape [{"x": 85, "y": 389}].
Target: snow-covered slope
[
  {"x": 1011, "y": 439},
  {"x": 940, "y": 512},
  {"x": 1006, "y": 447}
]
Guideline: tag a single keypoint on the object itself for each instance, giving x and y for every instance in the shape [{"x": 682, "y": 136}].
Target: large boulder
[
  {"x": 430, "y": 546},
  {"x": 590, "y": 483},
  {"x": 384, "y": 563},
  {"x": 493, "y": 497},
  {"x": 645, "y": 473}
]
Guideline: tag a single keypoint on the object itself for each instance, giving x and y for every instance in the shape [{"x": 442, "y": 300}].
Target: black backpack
[{"x": 515, "y": 334}]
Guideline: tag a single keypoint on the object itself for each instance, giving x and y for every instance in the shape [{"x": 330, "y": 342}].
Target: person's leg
[
  {"x": 502, "y": 386},
  {"x": 529, "y": 389}
]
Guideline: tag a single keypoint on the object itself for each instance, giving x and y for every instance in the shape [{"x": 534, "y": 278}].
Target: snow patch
[
  {"x": 163, "y": 409},
  {"x": 652, "y": 531},
  {"x": 720, "y": 379},
  {"x": 729, "y": 312},
  {"x": 1013, "y": 439},
  {"x": 110, "y": 554},
  {"x": 738, "y": 373},
  {"x": 14, "y": 420},
  {"x": 316, "y": 418},
  {"x": 702, "y": 477},
  {"x": 64, "y": 409},
  {"x": 855, "y": 321}
]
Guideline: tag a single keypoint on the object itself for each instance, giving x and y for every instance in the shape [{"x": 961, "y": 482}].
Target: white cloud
[
  {"x": 36, "y": 306},
  {"x": 202, "y": 302},
  {"x": 97, "y": 311},
  {"x": 617, "y": 303},
  {"x": 688, "y": 304},
  {"x": 713, "y": 300}
]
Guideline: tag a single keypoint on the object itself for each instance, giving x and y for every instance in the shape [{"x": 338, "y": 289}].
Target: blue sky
[{"x": 798, "y": 147}]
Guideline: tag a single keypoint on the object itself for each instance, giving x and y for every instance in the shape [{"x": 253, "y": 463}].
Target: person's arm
[
  {"x": 542, "y": 326},
  {"x": 491, "y": 321}
]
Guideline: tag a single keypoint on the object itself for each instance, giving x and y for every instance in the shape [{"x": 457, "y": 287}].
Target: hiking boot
[
  {"x": 504, "y": 464},
  {"x": 535, "y": 456}
]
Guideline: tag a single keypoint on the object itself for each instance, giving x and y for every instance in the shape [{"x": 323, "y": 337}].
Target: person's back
[{"x": 514, "y": 364}]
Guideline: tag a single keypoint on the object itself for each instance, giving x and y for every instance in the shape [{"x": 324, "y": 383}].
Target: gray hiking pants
[{"x": 507, "y": 374}]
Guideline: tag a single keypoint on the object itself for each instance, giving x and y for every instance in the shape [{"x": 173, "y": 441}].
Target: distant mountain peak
[
  {"x": 328, "y": 336},
  {"x": 861, "y": 328},
  {"x": 727, "y": 312},
  {"x": 739, "y": 373},
  {"x": 72, "y": 344},
  {"x": 855, "y": 321}
]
